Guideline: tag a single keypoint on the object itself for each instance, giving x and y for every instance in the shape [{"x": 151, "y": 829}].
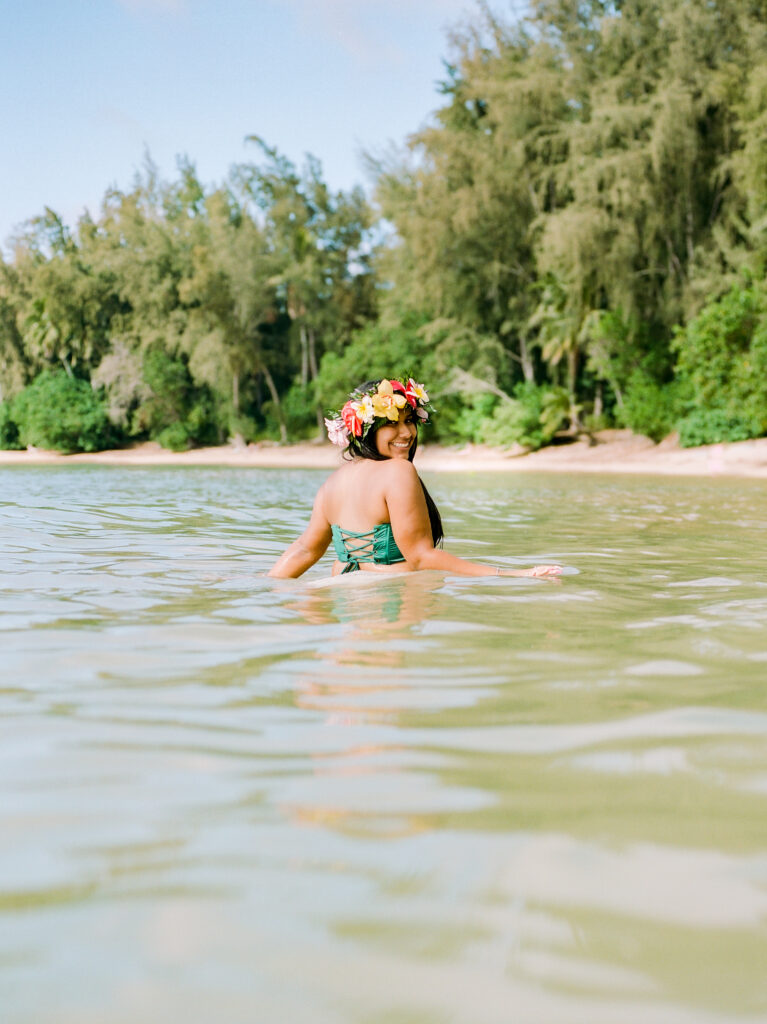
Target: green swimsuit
[{"x": 376, "y": 545}]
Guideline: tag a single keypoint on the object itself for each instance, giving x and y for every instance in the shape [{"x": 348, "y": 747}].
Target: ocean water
[{"x": 415, "y": 800}]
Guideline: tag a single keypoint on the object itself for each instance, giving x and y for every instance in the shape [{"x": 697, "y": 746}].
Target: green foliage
[
  {"x": 712, "y": 426},
  {"x": 188, "y": 305},
  {"x": 513, "y": 423},
  {"x": 373, "y": 352},
  {"x": 61, "y": 412},
  {"x": 531, "y": 419},
  {"x": 9, "y": 431},
  {"x": 555, "y": 408},
  {"x": 244, "y": 427},
  {"x": 595, "y": 174},
  {"x": 649, "y": 407},
  {"x": 466, "y": 420},
  {"x": 722, "y": 359},
  {"x": 203, "y": 421},
  {"x": 175, "y": 437},
  {"x": 177, "y": 413},
  {"x": 300, "y": 410}
]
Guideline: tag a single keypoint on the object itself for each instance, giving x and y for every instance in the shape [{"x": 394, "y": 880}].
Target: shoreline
[{"x": 610, "y": 451}]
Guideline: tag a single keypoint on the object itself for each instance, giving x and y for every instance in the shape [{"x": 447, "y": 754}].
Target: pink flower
[{"x": 337, "y": 432}]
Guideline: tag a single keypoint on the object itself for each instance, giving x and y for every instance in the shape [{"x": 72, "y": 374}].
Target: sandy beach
[{"x": 610, "y": 451}]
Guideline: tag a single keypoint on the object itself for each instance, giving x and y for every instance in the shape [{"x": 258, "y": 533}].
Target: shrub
[
  {"x": 244, "y": 426},
  {"x": 299, "y": 407},
  {"x": 202, "y": 422},
  {"x": 650, "y": 408},
  {"x": 468, "y": 419},
  {"x": 175, "y": 437},
  {"x": 177, "y": 413},
  {"x": 722, "y": 357},
  {"x": 555, "y": 409},
  {"x": 9, "y": 431},
  {"x": 508, "y": 424},
  {"x": 62, "y": 412},
  {"x": 712, "y": 426},
  {"x": 531, "y": 418}
]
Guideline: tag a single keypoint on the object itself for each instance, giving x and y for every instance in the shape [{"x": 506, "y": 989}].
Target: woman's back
[{"x": 354, "y": 497}]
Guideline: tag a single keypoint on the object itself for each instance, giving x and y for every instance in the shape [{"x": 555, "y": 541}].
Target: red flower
[
  {"x": 416, "y": 393},
  {"x": 349, "y": 416},
  {"x": 404, "y": 391}
]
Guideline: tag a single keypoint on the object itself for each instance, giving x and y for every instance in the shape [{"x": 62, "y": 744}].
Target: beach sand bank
[{"x": 610, "y": 451}]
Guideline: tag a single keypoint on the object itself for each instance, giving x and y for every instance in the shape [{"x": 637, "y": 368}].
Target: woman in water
[{"x": 375, "y": 508}]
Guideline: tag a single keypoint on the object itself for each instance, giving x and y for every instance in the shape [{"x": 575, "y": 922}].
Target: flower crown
[{"x": 381, "y": 402}]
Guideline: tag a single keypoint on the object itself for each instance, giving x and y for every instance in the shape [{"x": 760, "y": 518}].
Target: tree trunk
[
  {"x": 277, "y": 404},
  {"x": 315, "y": 371},
  {"x": 598, "y": 403},
  {"x": 304, "y": 355},
  {"x": 572, "y": 373},
  {"x": 236, "y": 392},
  {"x": 313, "y": 354},
  {"x": 525, "y": 358}
]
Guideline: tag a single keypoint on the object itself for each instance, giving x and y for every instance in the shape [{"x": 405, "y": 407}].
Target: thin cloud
[
  {"x": 360, "y": 26},
  {"x": 153, "y": 6},
  {"x": 113, "y": 117},
  {"x": 448, "y": 9}
]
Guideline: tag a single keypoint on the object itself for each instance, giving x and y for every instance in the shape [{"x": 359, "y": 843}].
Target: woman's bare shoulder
[
  {"x": 337, "y": 484},
  {"x": 400, "y": 468},
  {"x": 398, "y": 473},
  {"x": 369, "y": 471},
  {"x": 337, "y": 477},
  {"x": 326, "y": 489}
]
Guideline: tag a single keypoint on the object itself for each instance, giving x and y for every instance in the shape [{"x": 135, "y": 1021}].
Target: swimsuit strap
[
  {"x": 357, "y": 547},
  {"x": 376, "y": 545}
]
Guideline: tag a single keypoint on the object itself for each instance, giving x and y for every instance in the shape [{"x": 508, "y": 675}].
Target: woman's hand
[{"x": 544, "y": 571}]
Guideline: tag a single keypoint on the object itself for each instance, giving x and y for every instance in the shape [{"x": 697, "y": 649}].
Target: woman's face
[{"x": 394, "y": 440}]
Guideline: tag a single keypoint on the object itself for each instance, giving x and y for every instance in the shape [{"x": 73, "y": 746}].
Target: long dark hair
[{"x": 365, "y": 448}]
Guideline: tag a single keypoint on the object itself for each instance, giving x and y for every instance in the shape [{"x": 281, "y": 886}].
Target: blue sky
[{"x": 86, "y": 86}]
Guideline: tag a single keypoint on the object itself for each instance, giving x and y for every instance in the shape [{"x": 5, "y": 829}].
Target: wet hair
[{"x": 365, "y": 448}]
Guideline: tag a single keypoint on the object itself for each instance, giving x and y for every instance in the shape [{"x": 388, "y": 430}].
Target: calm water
[{"x": 424, "y": 800}]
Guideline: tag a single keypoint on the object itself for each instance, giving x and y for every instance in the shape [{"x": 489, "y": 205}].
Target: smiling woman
[{"x": 375, "y": 509}]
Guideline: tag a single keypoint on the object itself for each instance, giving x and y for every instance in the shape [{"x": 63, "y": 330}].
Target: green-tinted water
[{"x": 426, "y": 799}]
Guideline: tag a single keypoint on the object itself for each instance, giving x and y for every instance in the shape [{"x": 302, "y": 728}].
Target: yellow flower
[{"x": 386, "y": 402}]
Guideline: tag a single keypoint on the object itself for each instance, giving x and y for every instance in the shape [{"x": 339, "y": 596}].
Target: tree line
[{"x": 578, "y": 239}]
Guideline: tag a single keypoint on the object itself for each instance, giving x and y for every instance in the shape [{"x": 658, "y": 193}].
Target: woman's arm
[
  {"x": 412, "y": 530},
  {"x": 308, "y": 549}
]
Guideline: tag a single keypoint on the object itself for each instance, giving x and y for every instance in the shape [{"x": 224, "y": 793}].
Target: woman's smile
[
  {"x": 400, "y": 447},
  {"x": 395, "y": 440}
]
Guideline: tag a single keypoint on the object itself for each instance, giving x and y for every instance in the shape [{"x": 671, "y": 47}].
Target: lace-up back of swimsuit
[{"x": 377, "y": 546}]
